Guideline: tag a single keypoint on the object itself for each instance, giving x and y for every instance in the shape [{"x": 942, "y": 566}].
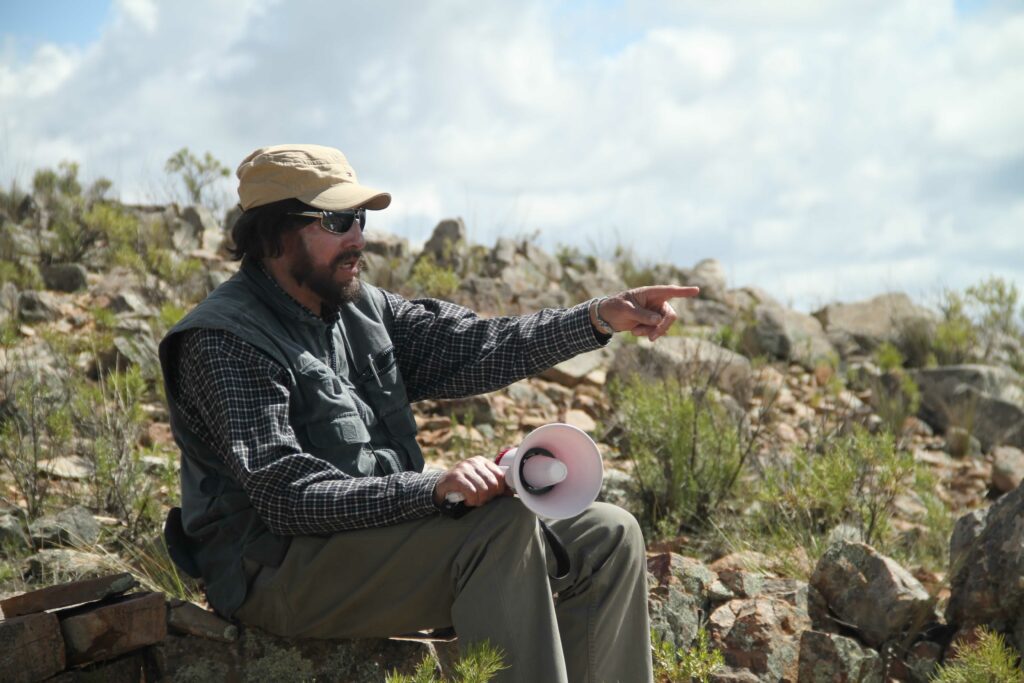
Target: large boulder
[
  {"x": 679, "y": 597},
  {"x": 828, "y": 657},
  {"x": 709, "y": 275},
  {"x": 859, "y": 328},
  {"x": 447, "y": 244},
  {"x": 72, "y": 526},
  {"x": 985, "y": 585},
  {"x": 987, "y": 401},
  {"x": 788, "y": 335},
  {"x": 855, "y": 580},
  {"x": 209, "y": 231},
  {"x": 761, "y": 635},
  {"x": 687, "y": 359},
  {"x": 64, "y": 277}
]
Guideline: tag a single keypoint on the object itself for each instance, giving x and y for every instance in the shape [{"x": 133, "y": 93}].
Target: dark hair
[{"x": 257, "y": 232}]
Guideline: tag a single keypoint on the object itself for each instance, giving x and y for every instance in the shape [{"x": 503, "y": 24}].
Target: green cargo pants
[{"x": 486, "y": 575}]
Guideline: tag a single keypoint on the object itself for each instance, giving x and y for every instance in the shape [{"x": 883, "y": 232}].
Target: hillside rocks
[
  {"x": 73, "y": 526},
  {"x": 788, "y": 335},
  {"x": 686, "y": 359},
  {"x": 856, "y": 580},
  {"x": 859, "y": 328},
  {"x": 828, "y": 657},
  {"x": 985, "y": 584},
  {"x": 986, "y": 400}
]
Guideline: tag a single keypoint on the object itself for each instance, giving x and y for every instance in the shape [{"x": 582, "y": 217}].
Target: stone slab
[
  {"x": 31, "y": 648},
  {"x": 191, "y": 619},
  {"x": 114, "y": 629},
  {"x": 65, "y": 595}
]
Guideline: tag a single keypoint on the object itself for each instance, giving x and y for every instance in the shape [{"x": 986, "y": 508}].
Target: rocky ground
[{"x": 89, "y": 467}]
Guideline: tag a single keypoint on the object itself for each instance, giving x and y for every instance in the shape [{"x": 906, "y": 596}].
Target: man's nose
[{"x": 355, "y": 238}]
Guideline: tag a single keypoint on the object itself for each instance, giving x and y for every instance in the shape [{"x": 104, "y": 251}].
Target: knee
[{"x": 621, "y": 525}]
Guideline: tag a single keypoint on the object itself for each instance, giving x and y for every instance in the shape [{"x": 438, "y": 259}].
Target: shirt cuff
[
  {"x": 582, "y": 332},
  {"x": 420, "y": 493}
]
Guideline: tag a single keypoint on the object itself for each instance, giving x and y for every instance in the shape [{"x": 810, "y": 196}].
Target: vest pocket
[{"x": 344, "y": 429}]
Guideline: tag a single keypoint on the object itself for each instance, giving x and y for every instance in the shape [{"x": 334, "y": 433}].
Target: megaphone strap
[{"x": 562, "y": 562}]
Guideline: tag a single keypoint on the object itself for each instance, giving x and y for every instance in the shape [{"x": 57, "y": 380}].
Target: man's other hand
[
  {"x": 478, "y": 479},
  {"x": 644, "y": 311}
]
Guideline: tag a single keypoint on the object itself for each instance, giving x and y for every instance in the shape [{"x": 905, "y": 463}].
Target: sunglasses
[{"x": 337, "y": 222}]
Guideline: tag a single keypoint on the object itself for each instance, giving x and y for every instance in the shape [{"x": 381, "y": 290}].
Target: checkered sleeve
[
  {"x": 447, "y": 351},
  {"x": 236, "y": 399}
]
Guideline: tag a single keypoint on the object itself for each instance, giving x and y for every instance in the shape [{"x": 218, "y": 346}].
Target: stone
[
  {"x": 188, "y": 618},
  {"x": 94, "y": 634},
  {"x": 203, "y": 223},
  {"x": 64, "y": 277},
  {"x": 581, "y": 420},
  {"x": 860, "y": 327},
  {"x": 31, "y": 648},
  {"x": 67, "y": 594},
  {"x": 966, "y": 532},
  {"x": 831, "y": 658},
  {"x": 709, "y": 275},
  {"x": 35, "y": 307},
  {"x": 12, "y": 533},
  {"x": 788, "y": 335},
  {"x": 987, "y": 401},
  {"x": 1007, "y": 468},
  {"x": 686, "y": 359},
  {"x": 577, "y": 369},
  {"x": 72, "y": 526},
  {"x": 855, "y": 579},
  {"x": 616, "y": 488},
  {"x": 130, "y": 302},
  {"x": 73, "y": 467},
  {"x": 448, "y": 242},
  {"x": 62, "y": 564},
  {"x": 986, "y": 588},
  {"x": 386, "y": 245},
  {"x": 678, "y": 599},
  {"x": 761, "y": 635}
]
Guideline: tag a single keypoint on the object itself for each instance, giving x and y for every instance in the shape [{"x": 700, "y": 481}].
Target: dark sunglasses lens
[{"x": 340, "y": 222}]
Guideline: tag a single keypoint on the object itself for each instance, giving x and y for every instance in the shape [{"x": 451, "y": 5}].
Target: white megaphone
[{"x": 556, "y": 471}]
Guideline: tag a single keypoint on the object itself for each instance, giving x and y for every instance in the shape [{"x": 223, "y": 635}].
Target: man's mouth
[{"x": 349, "y": 262}]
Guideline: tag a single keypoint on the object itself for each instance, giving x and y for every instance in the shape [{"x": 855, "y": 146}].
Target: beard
[{"x": 321, "y": 280}]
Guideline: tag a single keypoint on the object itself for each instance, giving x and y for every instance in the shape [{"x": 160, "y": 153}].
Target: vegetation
[
  {"x": 686, "y": 448},
  {"x": 988, "y": 660},
  {"x": 480, "y": 664},
  {"x": 694, "y": 664},
  {"x": 197, "y": 174},
  {"x": 430, "y": 279}
]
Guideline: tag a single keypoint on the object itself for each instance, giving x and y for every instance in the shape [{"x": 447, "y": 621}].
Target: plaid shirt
[{"x": 237, "y": 400}]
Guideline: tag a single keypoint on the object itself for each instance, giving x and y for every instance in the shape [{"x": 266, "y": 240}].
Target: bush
[
  {"x": 854, "y": 480},
  {"x": 682, "y": 665},
  {"x": 197, "y": 175},
  {"x": 894, "y": 395},
  {"x": 989, "y": 660},
  {"x": 433, "y": 280},
  {"x": 479, "y": 665},
  {"x": 686, "y": 448}
]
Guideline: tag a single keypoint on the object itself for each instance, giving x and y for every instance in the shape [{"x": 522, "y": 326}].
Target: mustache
[{"x": 350, "y": 255}]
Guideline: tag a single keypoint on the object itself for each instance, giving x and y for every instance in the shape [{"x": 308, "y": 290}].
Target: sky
[{"x": 821, "y": 150}]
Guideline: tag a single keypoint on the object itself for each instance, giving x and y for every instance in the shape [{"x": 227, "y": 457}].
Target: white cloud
[{"x": 821, "y": 148}]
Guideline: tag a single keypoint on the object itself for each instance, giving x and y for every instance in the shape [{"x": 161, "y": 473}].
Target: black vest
[{"x": 220, "y": 524}]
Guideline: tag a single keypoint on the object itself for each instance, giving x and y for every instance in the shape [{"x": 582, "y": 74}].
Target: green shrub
[
  {"x": 854, "y": 480},
  {"x": 480, "y": 664},
  {"x": 955, "y": 335},
  {"x": 895, "y": 395},
  {"x": 989, "y": 660},
  {"x": 634, "y": 273},
  {"x": 433, "y": 280},
  {"x": 687, "y": 452},
  {"x": 109, "y": 414},
  {"x": 685, "y": 664}
]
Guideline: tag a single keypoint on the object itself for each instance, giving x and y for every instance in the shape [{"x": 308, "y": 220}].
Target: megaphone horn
[{"x": 558, "y": 473}]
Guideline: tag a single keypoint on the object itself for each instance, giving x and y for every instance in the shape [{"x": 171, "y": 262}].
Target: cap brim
[{"x": 348, "y": 196}]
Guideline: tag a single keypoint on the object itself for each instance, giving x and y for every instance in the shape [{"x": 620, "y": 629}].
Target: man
[{"x": 305, "y": 507}]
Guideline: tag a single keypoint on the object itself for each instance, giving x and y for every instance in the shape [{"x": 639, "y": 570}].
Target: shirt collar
[{"x": 329, "y": 315}]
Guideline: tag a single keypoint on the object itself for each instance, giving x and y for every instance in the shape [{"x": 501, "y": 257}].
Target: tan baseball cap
[{"x": 317, "y": 175}]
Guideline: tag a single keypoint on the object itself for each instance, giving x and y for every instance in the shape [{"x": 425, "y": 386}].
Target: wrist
[{"x": 599, "y": 323}]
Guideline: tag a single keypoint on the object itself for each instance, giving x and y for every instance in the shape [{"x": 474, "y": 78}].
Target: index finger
[{"x": 665, "y": 292}]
